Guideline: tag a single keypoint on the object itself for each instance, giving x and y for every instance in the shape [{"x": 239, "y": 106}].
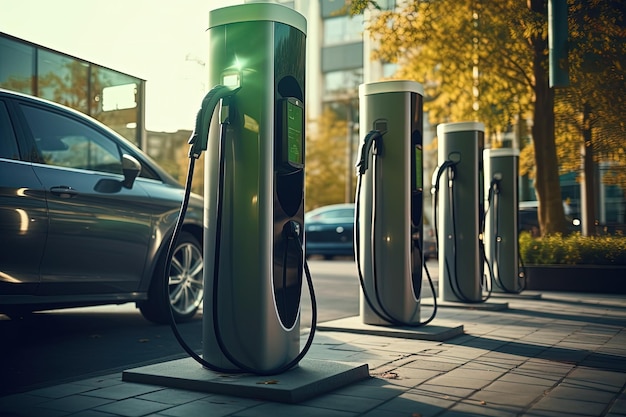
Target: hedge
[{"x": 572, "y": 249}]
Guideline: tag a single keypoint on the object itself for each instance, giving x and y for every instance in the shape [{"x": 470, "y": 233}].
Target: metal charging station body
[
  {"x": 460, "y": 214},
  {"x": 501, "y": 217},
  {"x": 260, "y": 49},
  {"x": 391, "y": 201}
]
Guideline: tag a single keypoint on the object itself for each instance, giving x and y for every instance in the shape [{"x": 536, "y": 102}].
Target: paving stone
[
  {"x": 122, "y": 391},
  {"x": 515, "y": 399},
  {"x": 284, "y": 410},
  {"x": 132, "y": 407},
  {"x": 562, "y": 356},
  {"x": 570, "y": 392},
  {"x": 372, "y": 388},
  {"x": 344, "y": 403},
  {"x": 418, "y": 403},
  {"x": 474, "y": 408},
  {"x": 173, "y": 396},
  {"x": 432, "y": 365},
  {"x": 447, "y": 393},
  {"x": 569, "y": 406},
  {"x": 74, "y": 403},
  {"x": 215, "y": 406},
  {"x": 63, "y": 390}
]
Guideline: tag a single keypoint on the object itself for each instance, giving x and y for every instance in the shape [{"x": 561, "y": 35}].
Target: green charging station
[
  {"x": 251, "y": 125},
  {"x": 501, "y": 218},
  {"x": 390, "y": 202},
  {"x": 459, "y": 215},
  {"x": 257, "y": 175}
]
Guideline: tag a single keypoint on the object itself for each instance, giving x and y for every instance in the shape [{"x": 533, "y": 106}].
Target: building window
[
  {"x": 115, "y": 100},
  {"x": 389, "y": 70},
  {"x": 342, "y": 83},
  {"x": 109, "y": 96},
  {"x": 346, "y": 109},
  {"x": 17, "y": 66},
  {"x": 343, "y": 29},
  {"x": 63, "y": 80}
]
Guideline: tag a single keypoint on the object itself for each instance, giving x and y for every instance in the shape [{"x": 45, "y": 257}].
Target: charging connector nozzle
[
  {"x": 200, "y": 136},
  {"x": 364, "y": 150}
]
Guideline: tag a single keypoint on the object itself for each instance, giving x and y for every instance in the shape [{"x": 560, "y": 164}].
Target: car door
[
  {"x": 98, "y": 234},
  {"x": 23, "y": 215}
]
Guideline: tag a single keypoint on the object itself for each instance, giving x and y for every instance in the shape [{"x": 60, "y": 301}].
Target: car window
[
  {"x": 8, "y": 145},
  {"x": 65, "y": 142},
  {"x": 336, "y": 214}
]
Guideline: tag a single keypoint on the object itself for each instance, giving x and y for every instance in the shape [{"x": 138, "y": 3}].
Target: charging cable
[
  {"x": 371, "y": 143},
  {"x": 453, "y": 279},
  {"x": 493, "y": 199}
]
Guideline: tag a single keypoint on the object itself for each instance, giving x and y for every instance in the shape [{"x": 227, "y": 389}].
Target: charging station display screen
[
  {"x": 294, "y": 133},
  {"x": 418, "y": 168}
]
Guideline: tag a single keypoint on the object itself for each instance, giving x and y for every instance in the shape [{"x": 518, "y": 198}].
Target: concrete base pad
[
  {"x": 520, "y": 296},
  {"x": 309, "y": 379},
  {"x": 355, "y": 325},
  {"x": 487, "y": 305}
]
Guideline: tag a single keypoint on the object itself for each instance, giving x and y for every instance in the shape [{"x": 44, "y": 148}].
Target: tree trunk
[
  {"x": 551, "y": 215},
  {"x": 588, "y": 209}
]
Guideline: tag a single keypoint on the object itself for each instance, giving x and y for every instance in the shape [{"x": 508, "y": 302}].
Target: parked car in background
[
  {"x": 528, "y": 218},
  {"x": 86, "y": 218},
  {"x": 329, "y": 231}
]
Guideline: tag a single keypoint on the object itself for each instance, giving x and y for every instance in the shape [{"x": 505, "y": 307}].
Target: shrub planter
[{"x": 608, "y": 279}]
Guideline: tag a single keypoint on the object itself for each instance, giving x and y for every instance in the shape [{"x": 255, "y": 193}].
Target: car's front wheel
[{"x": 185, "y": 290}]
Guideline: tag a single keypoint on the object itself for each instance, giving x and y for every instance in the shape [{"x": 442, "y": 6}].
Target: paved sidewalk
[{"x": 560, "y": 355}]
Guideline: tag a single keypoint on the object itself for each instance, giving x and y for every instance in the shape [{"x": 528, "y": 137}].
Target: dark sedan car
[
  {"x": 528, "y": 220},
  {"x": 86, "y": 218},
  {"x": 329, "y": 231}
]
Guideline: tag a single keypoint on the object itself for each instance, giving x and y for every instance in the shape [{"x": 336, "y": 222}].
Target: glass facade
[
  {"x": 62, "y": 79},
  {"x": 17, "y": 65},
  {"x": 343, "y": 29},
  {"x": 342, "y": 83},
  {"x": 114, "y": 98}
]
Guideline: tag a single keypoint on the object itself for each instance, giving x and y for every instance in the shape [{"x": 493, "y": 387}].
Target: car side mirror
[{"x": 131, "y": 169}]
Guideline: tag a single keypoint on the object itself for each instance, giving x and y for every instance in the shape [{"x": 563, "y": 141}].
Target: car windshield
[{"x": 332, "y": 215}]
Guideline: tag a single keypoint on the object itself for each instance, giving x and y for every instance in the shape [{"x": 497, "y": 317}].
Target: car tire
[{"x": 186, "y": 289}]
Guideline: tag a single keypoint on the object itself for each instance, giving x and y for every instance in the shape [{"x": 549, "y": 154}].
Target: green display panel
[
  {"x": 294, "y": 133},
  {"x": 418, "y": 168}
]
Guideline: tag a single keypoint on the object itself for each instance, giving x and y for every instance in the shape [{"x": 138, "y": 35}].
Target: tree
[
  {"x": 482, "y": 61},
  {"x": 326, "y": 170},
  {"x": 590, "y": 113}
]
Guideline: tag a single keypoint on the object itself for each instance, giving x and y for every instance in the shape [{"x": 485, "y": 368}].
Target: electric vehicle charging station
[
  {"x": 254, "y": 216},
  {"x": 458, "y": 218},
  {"x": 389, "y": 202},
  {"x": 501, "y": 218},
  {"x": 255, "y": 236}
]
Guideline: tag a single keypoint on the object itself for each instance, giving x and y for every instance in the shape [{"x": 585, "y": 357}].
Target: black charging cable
[
  {"x": 484, "y": 284},
  {"x": 198, "y": 143},
  {"x": 453, "y": 278},
  {"x": 493, "y": 199},
  {"x": 369, "y": 144},
  {"x": 439, "y": 171}
]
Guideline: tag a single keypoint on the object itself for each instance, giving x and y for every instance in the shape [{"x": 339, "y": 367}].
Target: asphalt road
[{"x": 66, "y": 345}]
